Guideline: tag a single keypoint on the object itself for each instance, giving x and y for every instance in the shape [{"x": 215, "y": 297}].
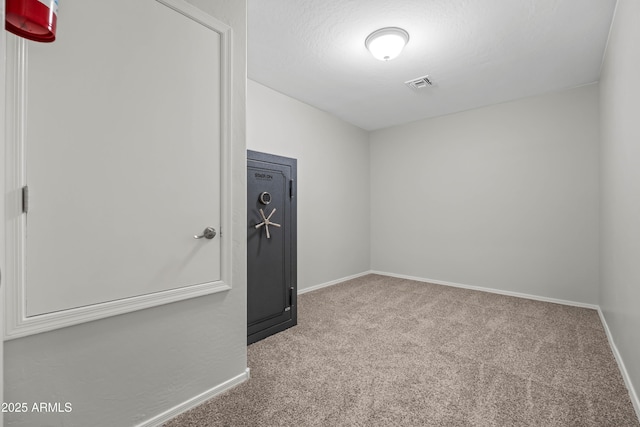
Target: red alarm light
[{"x": 32, "y": 19}]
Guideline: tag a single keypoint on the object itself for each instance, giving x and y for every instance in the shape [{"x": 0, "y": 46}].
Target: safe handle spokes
[{"x": 208, "y": 233}]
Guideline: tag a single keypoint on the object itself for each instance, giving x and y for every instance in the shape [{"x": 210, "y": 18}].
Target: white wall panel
[
  {"x": 333, "y": 185},
  {"x": 503, "y": 197}
]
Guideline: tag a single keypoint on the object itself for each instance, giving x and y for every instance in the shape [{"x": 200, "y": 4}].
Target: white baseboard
[
  {"x": 162, "y": 418},
  {"x": 491, "y": 290},
  {"x": 623, "y": 370},
  {"x": 331, "y": 283}
]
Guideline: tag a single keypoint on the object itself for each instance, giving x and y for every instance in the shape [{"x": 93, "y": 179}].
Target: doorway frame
[{"x": 3, "y": 44}]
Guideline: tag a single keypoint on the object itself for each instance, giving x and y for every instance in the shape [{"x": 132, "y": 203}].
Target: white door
[{"x": 122, "y": 155}]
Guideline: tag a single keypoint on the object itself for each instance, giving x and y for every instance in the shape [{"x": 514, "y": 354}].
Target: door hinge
[
  {"x": 291, "y": 290},
  {"x": 291, "y": 189},
  {"x": 25, "y": 199}
]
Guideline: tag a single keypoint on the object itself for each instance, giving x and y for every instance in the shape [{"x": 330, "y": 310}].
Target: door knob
[{"x": 208, "y": 233}]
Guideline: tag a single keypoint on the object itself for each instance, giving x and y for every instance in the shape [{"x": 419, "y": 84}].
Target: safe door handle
[{"x": 208, "y": 233}]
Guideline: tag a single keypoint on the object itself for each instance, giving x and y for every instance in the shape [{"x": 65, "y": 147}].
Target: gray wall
[
  {"x": 126, "y": 369},
  {"x": 620, "y": 186},
  {"x": 333, "y": 185},
  {"x": 501, "y": 197}
]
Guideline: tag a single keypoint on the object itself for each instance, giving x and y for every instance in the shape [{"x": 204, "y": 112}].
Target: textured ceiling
[{"x": 477, "y": 52}]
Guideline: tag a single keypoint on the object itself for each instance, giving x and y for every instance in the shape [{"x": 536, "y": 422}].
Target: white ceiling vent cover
[{"x": 419, "y": 83}]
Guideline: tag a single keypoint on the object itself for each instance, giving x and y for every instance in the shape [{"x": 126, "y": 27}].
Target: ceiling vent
[{"x": 419, "y": 83}]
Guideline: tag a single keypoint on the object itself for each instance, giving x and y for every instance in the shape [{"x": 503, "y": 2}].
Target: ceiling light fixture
[{"x": 386, "y": 43}]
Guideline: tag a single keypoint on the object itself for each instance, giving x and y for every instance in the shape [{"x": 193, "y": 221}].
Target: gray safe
[{"x": 271, "y": 245}]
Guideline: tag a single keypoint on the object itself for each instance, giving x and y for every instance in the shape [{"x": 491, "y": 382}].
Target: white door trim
[
  {"x": 3, "y": 279},
  {"x": 16, "y": 322}
]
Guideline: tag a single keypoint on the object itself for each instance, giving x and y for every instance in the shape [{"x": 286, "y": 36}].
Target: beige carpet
[{"x": 379, "y": 351}]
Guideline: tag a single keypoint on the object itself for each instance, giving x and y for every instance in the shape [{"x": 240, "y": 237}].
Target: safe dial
[{"x": 265, "y": 198}]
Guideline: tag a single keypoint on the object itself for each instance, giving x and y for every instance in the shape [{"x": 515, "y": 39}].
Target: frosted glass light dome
[{"x": 386, "y": 43}]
